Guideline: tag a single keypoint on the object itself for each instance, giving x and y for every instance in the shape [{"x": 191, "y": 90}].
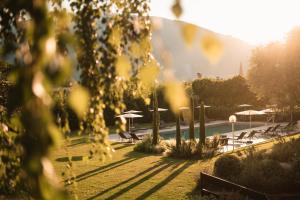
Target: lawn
[{"x": 132, "y": 175}]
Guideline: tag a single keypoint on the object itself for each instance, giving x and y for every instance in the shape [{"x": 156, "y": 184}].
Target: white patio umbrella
[
  {"x": 250, "y": 113},
  {"x": 159, "y": 110},
  {"x": 133, "y": 111},
  {"x": 244, "y": 105},
  {"x": 270, "y": 111},
  {"x": 130, "y": 116},
  {"x": 205, "y": 106}
]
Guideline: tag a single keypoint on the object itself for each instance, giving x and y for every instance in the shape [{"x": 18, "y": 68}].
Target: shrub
[
  {"x": 265, "y": 175},
  {"x": 188, "y": 150},
  {"x": 227, "y": 167},
  {"x": 296, "y": 169},
  {"x": 146, "y": 146},
  {"x": 286, "y": 151}
]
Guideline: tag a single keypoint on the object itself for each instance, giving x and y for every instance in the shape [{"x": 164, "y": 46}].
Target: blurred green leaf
[{"x": 79, "y": 100}]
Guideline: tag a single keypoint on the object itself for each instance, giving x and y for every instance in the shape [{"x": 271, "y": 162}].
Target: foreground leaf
[
  {"x": 212, "y": 48},
  {"x": 79, "y": 100}
]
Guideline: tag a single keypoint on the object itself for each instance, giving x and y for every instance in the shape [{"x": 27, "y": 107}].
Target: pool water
[{"x": 210, "y": 130}]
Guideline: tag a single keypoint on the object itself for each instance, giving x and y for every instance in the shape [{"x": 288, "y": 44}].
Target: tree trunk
[
  {"x": 155, "y": 119},
  {"x": 192, "y": 121},
  {"x": 202, "y": 124},
  {"x": 178, "y": 132},
  {"x": 292, "y": 112}
]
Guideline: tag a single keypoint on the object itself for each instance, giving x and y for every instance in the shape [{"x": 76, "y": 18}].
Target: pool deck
[{"x": 237, "y": 144}]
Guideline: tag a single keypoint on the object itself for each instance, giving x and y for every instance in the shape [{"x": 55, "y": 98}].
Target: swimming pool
[{"x": 210, "y": 130}]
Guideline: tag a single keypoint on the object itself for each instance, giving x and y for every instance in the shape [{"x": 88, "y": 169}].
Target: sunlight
[{"x": 254, "y": 21}]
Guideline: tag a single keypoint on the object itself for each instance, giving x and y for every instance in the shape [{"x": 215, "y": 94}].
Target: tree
[
  {"x": 274, "y": 72},
  {"x": 264, "y": 75},
  {"x": 155, "y": 119},
  {"x": 178, "y": 132},
  {"x": 37, "y": 41},
  {"x": 192, "y": 120},
  {"x": 202, "y": 124}
]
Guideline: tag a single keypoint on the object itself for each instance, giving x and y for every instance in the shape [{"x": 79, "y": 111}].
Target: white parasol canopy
[
  {"x": 268, "y": 110},
  {"x": 244, "y": 105},
  {"x": 159, "y": 110},
  {"x": 133, "y": 111},
  {"x": 129, "y": 116},
  {"x": 205, "y": 106},
  {"x": 250, "y": 113}
]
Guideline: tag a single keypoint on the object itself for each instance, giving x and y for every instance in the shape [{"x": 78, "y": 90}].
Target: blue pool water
[{"x": 210, "y": 130}]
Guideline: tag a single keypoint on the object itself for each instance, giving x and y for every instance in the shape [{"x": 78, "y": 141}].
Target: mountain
[{"x": 186, "y": 61}]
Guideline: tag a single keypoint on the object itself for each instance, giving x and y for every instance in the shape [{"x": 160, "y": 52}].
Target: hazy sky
[{"x": 254, "y": 21}]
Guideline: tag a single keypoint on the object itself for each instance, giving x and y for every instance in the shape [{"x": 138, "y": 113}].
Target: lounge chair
[
  {"x": 223, "y": 143},
  {"x": 241, "y": 136},
  {"x": 134, "y": 136},
  {"x": 275, "y": 129},
  {"x": 289, "y": 127},
  {"x": 252, "y": 134},
  {"x": 266, "y": 132},
  {"x": 123, "y": 136}
]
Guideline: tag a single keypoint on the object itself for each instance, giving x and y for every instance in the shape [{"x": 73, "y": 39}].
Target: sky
[{"x": 254, "y": 21}]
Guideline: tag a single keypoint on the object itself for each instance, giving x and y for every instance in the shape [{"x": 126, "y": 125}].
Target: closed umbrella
[{"x": 250, "y": 113}]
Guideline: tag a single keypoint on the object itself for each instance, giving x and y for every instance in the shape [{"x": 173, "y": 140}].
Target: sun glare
[{"x": 254, "y": 21}]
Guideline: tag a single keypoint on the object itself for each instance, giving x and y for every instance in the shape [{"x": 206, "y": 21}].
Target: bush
[
  {"x": 187, "y": 150},
  {"x": 296, "y": 170},
  {"x": 146, "y": 146},
  {"x": 265, "y": 175},
  {"x": 271, "y": 171},
  {"x": 227, "y": 167},
  {"x": 286, "y": 151}
]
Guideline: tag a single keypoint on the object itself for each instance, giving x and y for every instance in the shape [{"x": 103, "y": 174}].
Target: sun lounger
[
  {"x": 241, "y": 136},
  {"x": 223, "y": 143},
  {"x": 275, "y": 130},
  {"x": 289, "y": 127},
  {"x": 123, "y": 136},
  {"x": 135, "y": 137},
  {"x": 252, "y": 134},
  {"x": 267, "y": 131}
]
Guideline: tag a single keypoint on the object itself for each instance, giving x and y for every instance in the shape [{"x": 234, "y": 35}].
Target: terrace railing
[{"x": 212, "y": 185}]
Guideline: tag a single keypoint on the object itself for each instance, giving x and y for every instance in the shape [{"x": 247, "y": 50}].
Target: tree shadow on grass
[
  {"x": 66, "y": 159},
  {"x": 166, "y": 180},
  {"x": 159, "y": 167},
  {"x": 124, "y": 146},
  {"x": 78, "y": 141},
  {"x": 130, "y": 179},
  {"x": 130, "y": 157},
  {"x": 79, "y": 158}
]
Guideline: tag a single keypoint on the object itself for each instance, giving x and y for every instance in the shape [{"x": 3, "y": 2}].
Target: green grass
[{"x": 132, "y": 175}]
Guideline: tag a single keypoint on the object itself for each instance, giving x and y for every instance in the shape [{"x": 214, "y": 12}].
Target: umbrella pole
[
  {"x": 250, "y": 121},
  {"x": 132, "y": 122},
  {"x": 232, "y": 128}
]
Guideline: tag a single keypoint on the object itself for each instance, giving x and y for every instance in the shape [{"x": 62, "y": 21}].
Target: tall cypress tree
[
  {"x": 178, "y": 132},
  {"x": 155, "y": 119},
  {"x": 202, "y": 124},
  {"x": 192, "y": 120}
]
